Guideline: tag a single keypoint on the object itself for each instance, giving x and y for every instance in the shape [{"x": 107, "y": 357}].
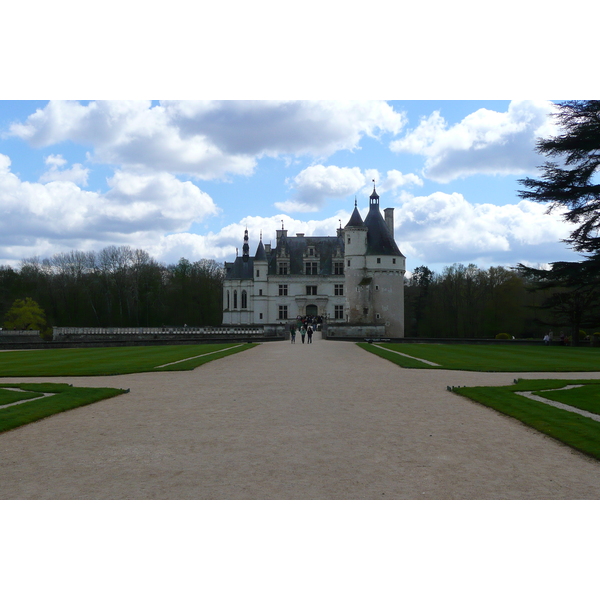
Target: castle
[{"x": 356, "y": 277}]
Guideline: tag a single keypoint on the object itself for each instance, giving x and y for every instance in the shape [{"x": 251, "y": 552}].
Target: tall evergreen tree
[{"x": 571, "y": 185}]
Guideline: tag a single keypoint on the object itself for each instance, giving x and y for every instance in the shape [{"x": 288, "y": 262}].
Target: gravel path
[{"x": 283, "y": 421}]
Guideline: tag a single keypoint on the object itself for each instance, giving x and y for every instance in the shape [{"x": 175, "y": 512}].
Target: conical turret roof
[
  {"x": 260, "y": 252},
  {"x": 355, "y": 218}
]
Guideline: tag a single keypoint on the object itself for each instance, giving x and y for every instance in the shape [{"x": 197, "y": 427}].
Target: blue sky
[{"x": 185, "y": 177}]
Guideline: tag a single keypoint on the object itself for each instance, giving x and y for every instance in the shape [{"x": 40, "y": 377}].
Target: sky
[
  {"x": 185, "y": 178},
  {"x": 244, "y": 139}
]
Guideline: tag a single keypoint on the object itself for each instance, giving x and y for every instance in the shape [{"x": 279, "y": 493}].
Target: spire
[
  {"x": 245, "y": 247},
  {"x": 355, "y": 218},
  {"x": 374, "y": 197},
  {"x": 260, "y": 251}
]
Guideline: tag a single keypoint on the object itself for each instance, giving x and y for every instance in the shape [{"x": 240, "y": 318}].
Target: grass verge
[
  {"x": 64, "y": 397},
  {"x": 476, "y": 357},
  {"x": 579, "y": 432},
  {"x": 67, "y": 362}
]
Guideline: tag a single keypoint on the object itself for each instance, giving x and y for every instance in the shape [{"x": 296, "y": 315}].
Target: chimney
[{"x": 389, "y": 219}]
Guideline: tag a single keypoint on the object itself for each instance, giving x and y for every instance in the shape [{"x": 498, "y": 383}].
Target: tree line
[
  {"x": 468, "y": 302},
  {"x": 124, "y": 287},
  {"x": 116, "y": 287}
]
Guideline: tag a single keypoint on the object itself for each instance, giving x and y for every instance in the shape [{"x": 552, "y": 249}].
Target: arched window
[
  {"x": 244, "y": 299},
  {"x": 234, "y": 299}
]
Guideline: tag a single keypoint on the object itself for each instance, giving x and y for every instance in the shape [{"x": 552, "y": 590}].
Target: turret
[
  {"x": 260, "y": 263},
  {"x": 355, "y": 241},
  {"x": 245, "y": 247}
]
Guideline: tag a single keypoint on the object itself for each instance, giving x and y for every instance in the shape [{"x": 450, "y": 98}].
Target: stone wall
[{"x": 353, "y": 331}]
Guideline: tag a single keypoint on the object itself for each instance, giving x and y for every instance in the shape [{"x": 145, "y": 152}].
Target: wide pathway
[{"x": 282, "y": 421}]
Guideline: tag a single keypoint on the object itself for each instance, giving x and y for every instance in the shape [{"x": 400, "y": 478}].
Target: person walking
[
  {"x": 309, "y": 332},
  {"x": 302, "y": 333},
  {"x": 293, "y": 334}
]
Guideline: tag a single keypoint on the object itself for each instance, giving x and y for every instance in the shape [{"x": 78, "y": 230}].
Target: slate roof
[
  {"x": 379, "y": 238},
  {"x": 260, "y": 252},
  {"x": 239, "y": 268},
  {"x": 296, "y": 247},
  {"x": 355, "y": 219}
]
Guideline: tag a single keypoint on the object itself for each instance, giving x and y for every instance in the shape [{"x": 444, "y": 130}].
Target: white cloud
[
  {"x": 222, "y": 245},
  {"x": 59, "y": 215},
  {"x": 207, "y": 139},
  {"x": 315, "y": 184},
  {"x": 485, "y": 141},
  {"x": 76, "y": 174},
  {"x": 434, "y": 230},
  {"x": 55, "y": 160},
  {"x": 445, "y": 228},
  {"x": 395, "y": 179}
]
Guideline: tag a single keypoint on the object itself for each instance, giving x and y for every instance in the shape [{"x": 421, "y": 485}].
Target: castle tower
[{"x": 374, "y": 270}]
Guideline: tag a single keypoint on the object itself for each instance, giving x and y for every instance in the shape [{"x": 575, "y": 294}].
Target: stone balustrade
[
  {"x": 21, "y": 332},
  {"x": 61, "y": 332}
]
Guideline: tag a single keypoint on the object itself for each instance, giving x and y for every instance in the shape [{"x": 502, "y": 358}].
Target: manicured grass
[
  {"x": 65, "y": 398},
  {"x": 111, "y": 361},
  {"x": 581, "y": 433},
  {"x": 505, "y": 358},
  {"x": 8, "y": 396},
  {"x": 585, "y": 398}
]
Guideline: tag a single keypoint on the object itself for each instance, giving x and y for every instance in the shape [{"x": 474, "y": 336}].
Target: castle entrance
[{"x": 312, "y": 310}]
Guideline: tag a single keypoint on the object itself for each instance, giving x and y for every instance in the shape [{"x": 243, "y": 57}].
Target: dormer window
[{"x": 283, "y": 267}]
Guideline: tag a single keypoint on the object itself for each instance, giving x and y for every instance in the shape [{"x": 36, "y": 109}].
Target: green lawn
[
  {"x": 64, "y": 397},
  {"x": 111, "y": 361},
  {"x": 505, "y": 358},
  {"x": 8, "y": 396},
  {"x": 579, "y": 432},
  {"x": 585, "y": 398}
]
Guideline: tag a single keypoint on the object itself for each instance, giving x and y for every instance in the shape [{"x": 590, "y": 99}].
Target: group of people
[
  {"x": 564, "y": 340},
  {"x": 306, "y": 331}
]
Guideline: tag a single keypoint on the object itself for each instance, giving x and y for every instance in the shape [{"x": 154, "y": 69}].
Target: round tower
[
  {"x": 385, "y": 266},
  {"x": 374, "y": 270}
]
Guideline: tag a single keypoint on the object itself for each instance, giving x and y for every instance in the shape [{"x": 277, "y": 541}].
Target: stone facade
[{"x": 355, "y": 277}]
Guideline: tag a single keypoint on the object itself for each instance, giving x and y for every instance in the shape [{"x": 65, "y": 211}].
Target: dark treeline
[
  {"x": 116, "y": 287},
  {"x": 468, "y": 302},
  {"x": 124, "y": 287}
]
